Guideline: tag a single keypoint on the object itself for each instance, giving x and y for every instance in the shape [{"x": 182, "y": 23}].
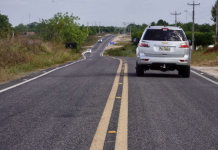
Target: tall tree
[
  {"x": 62, "y": 28},
  {"x": 21, "y": 28},
  {"x": 205, "y": 28},
  {"x": 5, "y": 26},
  {"x": 162, "y": 23},
  {"x": 153, "y": 23},
  {"x": 213, "y": 13},
  {"x": 32, "y": 26}
]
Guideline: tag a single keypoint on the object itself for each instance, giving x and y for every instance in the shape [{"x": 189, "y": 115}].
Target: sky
[{"x": 107, "y": 12}]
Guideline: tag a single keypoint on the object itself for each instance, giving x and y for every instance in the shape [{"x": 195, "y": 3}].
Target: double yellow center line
[{"x": 122, "y": 130}]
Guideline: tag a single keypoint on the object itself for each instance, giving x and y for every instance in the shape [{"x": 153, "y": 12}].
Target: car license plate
[{"x": 164, "y": 48}]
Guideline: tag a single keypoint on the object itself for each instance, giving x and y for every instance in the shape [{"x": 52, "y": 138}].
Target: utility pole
[
  {"x": 175, "y": 17},
  {"x": 216, "y": 22},
  {"x": 87, "y": 28},
  {"x": 99, "y": 27},
  {"x": 193, "y": 25},
  {"x": 130, "y": 32},
  {"x": 124, "y": 23}
]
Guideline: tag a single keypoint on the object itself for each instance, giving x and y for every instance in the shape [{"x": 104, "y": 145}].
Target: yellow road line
[
  {"x": 122, "y": 130},
  {"x": 100, "y": 134},
  {"x": 111, "y": 131}
]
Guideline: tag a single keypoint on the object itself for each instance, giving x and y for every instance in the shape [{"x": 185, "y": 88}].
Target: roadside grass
[
  {"x": 122, "y": 43},
  {"x": 23, "y": 55},
  {"x": 200, "y": 58},
  {"x": 127, "y": 50}
]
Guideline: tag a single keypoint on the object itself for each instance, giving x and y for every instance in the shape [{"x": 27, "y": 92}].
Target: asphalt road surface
[{"x": 99, "y": 103}]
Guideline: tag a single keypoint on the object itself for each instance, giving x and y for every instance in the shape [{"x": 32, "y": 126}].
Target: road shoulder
[{"x": 212, "y": 71}]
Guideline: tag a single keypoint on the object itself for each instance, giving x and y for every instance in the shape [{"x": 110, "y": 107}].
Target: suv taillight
[
  {"x": 184, "y": 45},
  {"x": 144, "y": 44},
  {"x": 165, "y": 29}
]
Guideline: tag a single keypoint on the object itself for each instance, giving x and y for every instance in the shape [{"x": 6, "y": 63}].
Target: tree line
[
  {"x": 6, "y": 29},
  {"x": 61, "y": 28},
  {"x": 204, "y": 34}
]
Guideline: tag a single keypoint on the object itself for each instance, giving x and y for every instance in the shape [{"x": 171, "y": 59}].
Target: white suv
[{"x": 163, "y": 48}]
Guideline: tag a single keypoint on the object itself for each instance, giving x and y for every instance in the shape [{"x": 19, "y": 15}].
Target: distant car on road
[
  {"x": 163, "y": 48},
  {"x": 100, "y": 41},
  {"x": 89, "y": 51}
]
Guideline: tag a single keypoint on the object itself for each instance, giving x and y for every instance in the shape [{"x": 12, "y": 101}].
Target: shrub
[{"x": 201, "y": 38}]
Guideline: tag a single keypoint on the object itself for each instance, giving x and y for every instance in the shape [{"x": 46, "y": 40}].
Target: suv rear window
[{"x": 160, "y": 35}]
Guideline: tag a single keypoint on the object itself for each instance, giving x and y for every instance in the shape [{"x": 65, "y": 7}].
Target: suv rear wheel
[
  {"x": 139, "y": 70},
  {"x": 185, "y": 72}
]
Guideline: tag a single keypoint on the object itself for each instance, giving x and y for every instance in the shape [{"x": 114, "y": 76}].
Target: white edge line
[
  {"x": 16, "y": 85},
  {"x": 204, "y": 77}
]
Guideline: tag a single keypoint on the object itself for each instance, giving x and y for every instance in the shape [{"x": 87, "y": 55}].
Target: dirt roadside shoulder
[
  {"x": 119, "y": 41},
  {"x": 212, "y": 71}
]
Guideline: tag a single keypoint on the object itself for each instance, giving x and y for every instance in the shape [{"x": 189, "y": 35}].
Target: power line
[
  {"x": 203, "y": 16},
  {"x": 99, "y": 27},
  {"x": 87, "y": 28}
]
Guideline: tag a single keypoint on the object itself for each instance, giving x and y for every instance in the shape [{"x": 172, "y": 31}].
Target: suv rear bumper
[{"x": 162, "y": 60}]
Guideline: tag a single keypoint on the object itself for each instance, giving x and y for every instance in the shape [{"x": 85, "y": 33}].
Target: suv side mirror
[
  {"x": 190, "y": 42},
  {"x": 136, "y": 40}
]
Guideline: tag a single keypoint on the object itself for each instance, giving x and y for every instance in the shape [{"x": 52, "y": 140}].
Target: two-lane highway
[
  {"x": 100, "y": 103},
  {"x": 60, "y": 110}
]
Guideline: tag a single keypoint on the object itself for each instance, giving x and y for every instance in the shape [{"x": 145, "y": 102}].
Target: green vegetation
[
  {"x": 202, "y": 38},
  {"x": 126, "y": 51},
  {"x": 62, "y": 29},
  {"x": 204, "y": 34},
  {"x": 6, "y": 28},
  {"x": 213, "y": 13},
  {"x": 21, "y": 28}
]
